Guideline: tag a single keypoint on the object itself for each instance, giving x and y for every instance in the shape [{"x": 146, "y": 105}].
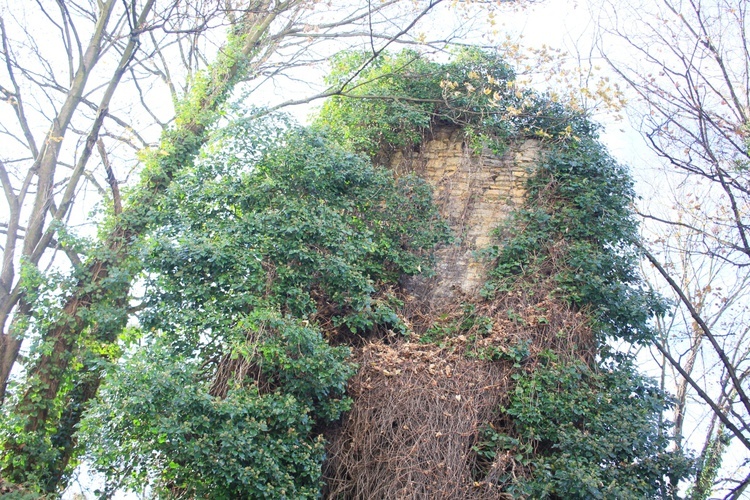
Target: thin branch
[
  {"x": 16, "y": 98},
  {"x": 705, "y": 397},
  {"x": 111, "y": 180},
  {"x": 702, "y": 324}
]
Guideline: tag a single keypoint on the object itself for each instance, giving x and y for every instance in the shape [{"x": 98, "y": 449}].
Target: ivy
[
  {"x": 308, "y": 223},
  {"x": 578, "y": 430},
  {"x": 65, "y": 373},
  {"x": 156, "y": 422},
  {"x": 279, "y": 239},
  {"x": 578, "y": 198},
  {"x": 271, "y": 226},
  {"x": 577, "y": 214},
  {"x": 587, "y": 433},
  {"x": 397, "y": 100}
]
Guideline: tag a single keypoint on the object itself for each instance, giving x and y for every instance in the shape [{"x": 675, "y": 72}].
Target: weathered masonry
[{"x": 475, "y": 192}]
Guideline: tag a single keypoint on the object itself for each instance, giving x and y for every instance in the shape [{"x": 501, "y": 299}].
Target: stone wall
[{"x": 475, "y": 192}]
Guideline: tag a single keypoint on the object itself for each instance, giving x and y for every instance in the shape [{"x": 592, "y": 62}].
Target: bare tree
[
  {"x": 688, "y": 64},
  {"x": 109, "y": 92},
  {"x": 65, "y": 77}
]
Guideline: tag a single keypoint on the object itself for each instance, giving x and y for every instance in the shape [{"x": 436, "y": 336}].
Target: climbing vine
[
  {"x": 580, "y": 422},
  {"x": 587, "y": 433},
  {"x": 66, "y": 369},
  {"x": 588, "y": 427},
  {"x": 399, "y": 99},
  {"x": 576, "y": 229},
  {"x": 280, "y": 244},
  {"x": 259, "y": 259}
]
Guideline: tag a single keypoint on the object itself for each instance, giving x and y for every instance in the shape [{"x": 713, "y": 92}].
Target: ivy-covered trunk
[
  {"x": 45, "y": 167},
  {"x": 106, "y": 283}
]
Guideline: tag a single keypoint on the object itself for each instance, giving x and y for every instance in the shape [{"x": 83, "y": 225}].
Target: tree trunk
[
  {"x": 178, "y": 148},
  {"x": 44, "y": 167}
]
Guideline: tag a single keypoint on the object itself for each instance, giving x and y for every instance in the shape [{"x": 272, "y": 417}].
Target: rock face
[{"x": 475, "y": 192}]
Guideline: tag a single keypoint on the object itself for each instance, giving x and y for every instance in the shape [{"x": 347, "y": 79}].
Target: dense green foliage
[
  {"x": 279, "y": 239},
  {"x": 272, "y": 233},
  {"x": 576, "y": 226},
  {"x": 310, "y": 223},
  {"x": 396, "y": 102},
  {"x": 157, "y": 419},
  {"x": 578, "y": 196},
  {"x": 578, "y": 430},
  {"x": 588, "y": 434},
  {"x": 596, "y": 430},
  {"x": 75, "y": 330}
]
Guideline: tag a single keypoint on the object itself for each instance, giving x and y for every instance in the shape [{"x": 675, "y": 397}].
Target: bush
[
  {"x": 236, "y": 380},
  {"x": 591, "y": 434},
  {"x": 157, "y": 424}
]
